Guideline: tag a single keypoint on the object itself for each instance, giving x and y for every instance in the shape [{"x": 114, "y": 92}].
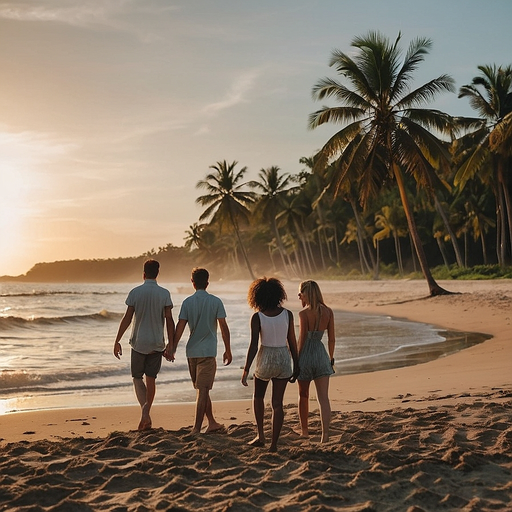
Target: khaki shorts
[{"x": 202, "y": 371}]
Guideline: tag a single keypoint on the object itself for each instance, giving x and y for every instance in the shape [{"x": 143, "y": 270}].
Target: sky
[{"x": 111, "y": 111}]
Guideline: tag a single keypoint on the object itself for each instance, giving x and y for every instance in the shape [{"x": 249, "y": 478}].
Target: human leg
[
  {"x": 304, "y": 406},
  {"x": 202, "y": 397},
  {"x": 202, "y": 371},
  {"x": 140, "y": 390},
  {"x": 146, "y": 390},
  {"x": 145, "y": 422},
  {"x": 278, "y": 389},
  {"x": 258, "y": 405},
  {"x": 322, "y": 394}
]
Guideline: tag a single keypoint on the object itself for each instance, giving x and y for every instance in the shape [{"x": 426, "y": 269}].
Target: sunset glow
[{"x": 111, "y": 112}]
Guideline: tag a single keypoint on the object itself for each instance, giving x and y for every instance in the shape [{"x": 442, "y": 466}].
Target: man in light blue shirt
[
  {"x": 151, "y": 306},
  {"x": 202, "y": 312}
]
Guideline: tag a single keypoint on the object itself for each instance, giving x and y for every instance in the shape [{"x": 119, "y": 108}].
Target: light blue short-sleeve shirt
[
  {"x": 201, "y": 311},
  {"x": 149, "y": 301}
]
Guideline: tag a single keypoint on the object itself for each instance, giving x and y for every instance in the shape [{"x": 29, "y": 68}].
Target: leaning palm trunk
[
  {"x": 434, "y": 288},
  {"x": 373, "y": 267},
  {"x": 280, "y": 246},
  {"x": 501, "y": 227},
  {"x": 398, "y": 251},
  {"x": 507, "y": 207},
  {"x": 242, "y": 248},
  {"x": 453, "y": 238}
]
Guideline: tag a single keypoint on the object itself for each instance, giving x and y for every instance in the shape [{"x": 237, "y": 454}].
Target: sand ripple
[{"x": 440, "y": 458}]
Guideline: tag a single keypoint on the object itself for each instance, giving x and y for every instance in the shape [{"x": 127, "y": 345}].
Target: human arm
[
  {"x": 292, "y": 345},
  {"x": 303, "y": 329},
  {"x": 169, "y": 323},
  {"x": 125, "y": 323},
  {"x": 226, "y": 338},
  {"x": 331, "y": 336},
  {"x": 178, "y": 332},
  {"x": 253, "y": 346}
]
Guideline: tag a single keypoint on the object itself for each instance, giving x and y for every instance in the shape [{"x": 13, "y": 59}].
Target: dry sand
[{"x": 434, "y": 436}]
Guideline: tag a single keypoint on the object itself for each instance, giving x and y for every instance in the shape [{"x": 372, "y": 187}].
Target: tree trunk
[
  {"x": 442, "y": 250},
  {"x": 434, "y": 288},
  {"x": 361, "y": 238},
  {"x": 242, "y": 248},
  {"x": 484, "y": 248},
  {"x": 280, "y": 245},
  {"x": 507, "y": 214},
  {"x": 453, "y": 238}
]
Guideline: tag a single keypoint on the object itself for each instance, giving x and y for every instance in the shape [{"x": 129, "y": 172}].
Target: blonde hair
[{"x": 312, "y": 294}]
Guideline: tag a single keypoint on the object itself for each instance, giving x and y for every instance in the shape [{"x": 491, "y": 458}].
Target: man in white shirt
[
  {"x": 151, "y": 306},
  {"x": 202, "y": 312}
]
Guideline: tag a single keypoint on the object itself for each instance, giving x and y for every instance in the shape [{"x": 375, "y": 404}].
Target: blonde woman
[{"x": 314, "y": 362}]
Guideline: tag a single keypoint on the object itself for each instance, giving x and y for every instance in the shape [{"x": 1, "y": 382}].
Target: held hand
[
  {"x": 118, "y": 350},
  {"x": 169, "y": 353},
  {"x": 296, "y": 371},
  {"x": 227, "y": 357}
]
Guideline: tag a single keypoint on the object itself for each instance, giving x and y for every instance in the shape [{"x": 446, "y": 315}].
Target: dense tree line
[
  {"x": 399, "y": 185},
  {"x": 176, "y": 263}
]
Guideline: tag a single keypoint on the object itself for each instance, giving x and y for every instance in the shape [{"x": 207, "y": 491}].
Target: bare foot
[
  {"x": 145, "y": 421},
  {"x": 145, "y": 424},
  {"x": 214, "y": 427},
  {"x": 273, "y": 448},
  {"x": 257, "y": 442}
]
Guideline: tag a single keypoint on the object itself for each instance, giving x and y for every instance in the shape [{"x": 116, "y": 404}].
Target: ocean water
[{"x": 56, "y": 345}]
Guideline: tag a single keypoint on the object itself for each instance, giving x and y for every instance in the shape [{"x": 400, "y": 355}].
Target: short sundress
[
  {"x": 314, "y": 360},
  {"x": 274, "y": 361}
]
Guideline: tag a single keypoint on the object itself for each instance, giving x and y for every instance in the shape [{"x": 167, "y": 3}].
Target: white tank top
[{"x": 274, "y": 329}]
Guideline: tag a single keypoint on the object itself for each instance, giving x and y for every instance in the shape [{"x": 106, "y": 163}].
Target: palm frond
[
  {"x": 477, "y": 101},
  {"x": 436, "y": 151},
  {"x": 337, "y": 115},
  {"x": 336, "y": 145},
  {"x": 418, "y": 48},
  {"x": 330, "y": 88},
  {"x": 347, "y": 67},
  {"x": 431, "y": 119},
  {"x": 427, "y": 92},
  {"x": 472, "y": 165}
]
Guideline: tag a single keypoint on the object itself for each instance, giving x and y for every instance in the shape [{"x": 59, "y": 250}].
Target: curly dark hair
[{"x": 266, "y": 293}]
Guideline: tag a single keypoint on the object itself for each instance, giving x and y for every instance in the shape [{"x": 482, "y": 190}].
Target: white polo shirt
[{"x": 149, "y": 301}]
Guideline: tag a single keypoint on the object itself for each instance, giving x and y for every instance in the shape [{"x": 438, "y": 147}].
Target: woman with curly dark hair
[{"x": 272, "y": 343}]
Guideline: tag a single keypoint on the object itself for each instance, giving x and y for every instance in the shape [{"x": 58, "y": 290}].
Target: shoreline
[{"x": 477, "y": 306}]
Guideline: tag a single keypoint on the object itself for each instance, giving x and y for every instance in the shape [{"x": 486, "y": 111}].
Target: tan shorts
[{"x": 202, "y": 371}]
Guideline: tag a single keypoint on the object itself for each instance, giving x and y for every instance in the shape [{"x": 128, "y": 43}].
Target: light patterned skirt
[{"x": 273, "y": 363}]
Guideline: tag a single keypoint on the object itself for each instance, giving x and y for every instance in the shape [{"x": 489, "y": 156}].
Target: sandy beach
[{"x": 428, "y": 437}]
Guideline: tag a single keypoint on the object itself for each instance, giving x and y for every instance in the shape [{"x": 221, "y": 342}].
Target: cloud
[
  {"x": 111, "y": 14},
  {"x": 237, "y": 93}
]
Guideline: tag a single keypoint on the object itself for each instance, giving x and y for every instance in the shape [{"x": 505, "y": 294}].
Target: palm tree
[
  {"x": 225, "y": 201},
  {"x": 193, "y": 238},
  {"x": 274, "y": 187},
  {"x": 490, "y": 94},
  {"x": 389, "y": 220},
  {"x": 386, "y": 133}
]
